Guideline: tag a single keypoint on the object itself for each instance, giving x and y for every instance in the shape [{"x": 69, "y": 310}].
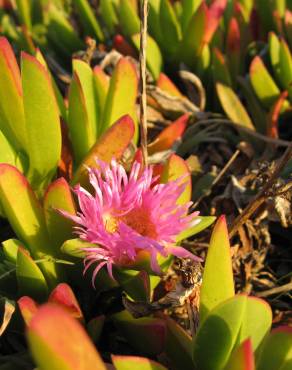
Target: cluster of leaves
[
  {"x": 224, "y": 43},
  {"x": 234, "y": 330},
  {"x": 46, "y": 143}
]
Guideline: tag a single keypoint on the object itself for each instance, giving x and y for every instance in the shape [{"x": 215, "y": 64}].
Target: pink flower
[{"x": 128, "y": 214}]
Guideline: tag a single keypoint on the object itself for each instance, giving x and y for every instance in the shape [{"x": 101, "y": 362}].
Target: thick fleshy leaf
[
  {"x": 274, "y": 115},
  {"x": 30, "y": 279},
  {"x": 7, "y": 152},
  {"x": 169, "y": 22},
  {"x": 80, "y": 130},
  {"x": 276, "y": 350},
  {"x": 189, "y": 8},
  {"x": 165, "y": 84},
  {"x": 129, "y": 20},
  {"x": 255, "y": 109},
  {"x": 108, "y": 14},
  {"x": 122, "y": 95},
  {"x": 74, "y": 247},
  {"x": 24, "y": 12},
  {"x": 110, "y": 145},
  {"x": 63, "y": 295},
  {"x": 233, "y": 48},
  {"x": 192, "y": 42},
  {"x": 28, "y": 307},
  {"x": 61, "y": 33},
  {"x": 42, "y": 121},
  {"x": 153, "y": 55},
  {"x": 101, "y": 80},
  {"x": 218, "y": 284},
  {"x": 150, "y": 331},
  {"x": 124, "y": 47},
  {"x": 174, "y": 169},
  {"x": 53, "y": 337},
  {"x": 217, "y": 334},
  {"x": 205, "y": 221},
  {"x": 178, "y": 346},
  {"x": 167, "y": 138},
  {"x": 58, "y": 197},
  {"x": 220, "y": 68},
  {"x": 262, "y": 83},
  {"x": 134, "y": 362},
  {"x": 10, "y": 248},
  {"x": 154, "y": 20},
  {"x": 232, "y": 106},
  {"x": 87, "y": 83},
  {"x": 257, "y": 321},
  {"x": 136, "y": 284},
  {"x": 89, "y": 22},
  {"x": 12, "y": 122},
  {"x": 25, "y": 215},
  {"x": 242, "y": 358},
  {"x": 58, "y": 95},
  {"x": 7, "y": 308},
  {"x": 215, "y": 12}
]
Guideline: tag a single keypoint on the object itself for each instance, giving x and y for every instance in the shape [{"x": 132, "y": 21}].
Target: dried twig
[
  {"x": 143, "y": 83},
  {"x": 262, "y": 195},
  {"x": 277, "y": 290}
]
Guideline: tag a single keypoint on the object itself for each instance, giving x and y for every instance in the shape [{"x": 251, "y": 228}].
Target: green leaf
[
  {"x": 58, "y": 197},
  {"x": 44, "y": 336},
  {"x": 174, "y": 169},
  {"x": 30, "y": 279},
  {"x": 12, "y": 121},
  {"x": 108, "y": 14},
  {"x": 242, "y": 358},
  {"x": 220, "y": 68},
  {"x": 24, "y": 12},
  {"x": 136, "y": 284},
  {"x": 257, "y": 321},
  {"x": 26, "y": 216},
  {"x": 205, "y": 221},
  {"x": 10, "y": 248},
  {"x": 178, "y": 346},
  {"x": 218, "y": 284},
  {"x": 111, "y": 144},
  {"x": 189, "y": 8},
  {"x": 74, "y": 247},
  {"x": 134, "y": 362},
  {"x": 42, "y": 121},
  {"x": 80, "y": 130},
  {"x": 276, "y": 350},
  {"x": 88, "y": 86},
  {"x": 232, "y": 106},
  {"x": 218, "y": 333},
  {"x": 61, "y": 33},
  {"x": 169, "y": 22},
  {"x": 257, "y": 113},
  {"x": 262, "y": 83},
  {"x": 7, "y": 152},
  {"x": 88, "y": 20},
  {"x": 58, "y": 95},
  {"x": 192, "y": 41},
  {"x": 101, "y": 81},
  {"x": 122, "y": 94},
  {"x": 153, "y": 55},
  {"x": 129, "y": 20},
  {"x": 150, "y": 331},
  {"x": 154, "y": 20}
]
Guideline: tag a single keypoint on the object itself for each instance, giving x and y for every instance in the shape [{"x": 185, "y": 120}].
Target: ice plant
[{"x": 129, "y": 213}]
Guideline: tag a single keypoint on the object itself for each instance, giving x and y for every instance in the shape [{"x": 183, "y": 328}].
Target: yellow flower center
[{"x": 137, "y": 219}]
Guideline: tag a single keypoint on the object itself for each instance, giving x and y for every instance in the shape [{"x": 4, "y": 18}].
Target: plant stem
[{"x": 143, "y": 96}]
